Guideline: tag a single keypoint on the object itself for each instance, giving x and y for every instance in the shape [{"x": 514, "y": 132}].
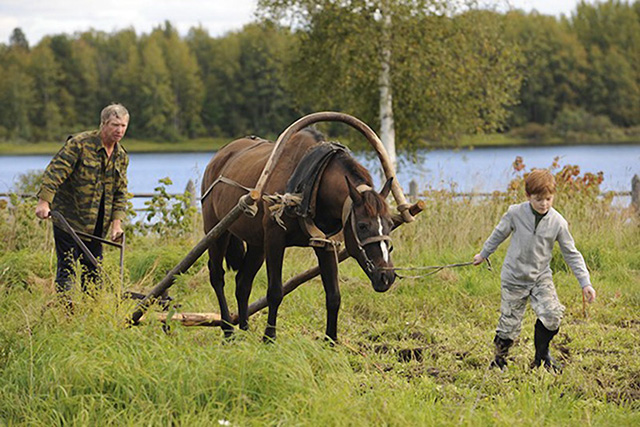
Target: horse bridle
[{"x": 348, "y": 214}]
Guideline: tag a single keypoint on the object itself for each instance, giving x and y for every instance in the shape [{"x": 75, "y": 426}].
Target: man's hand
[
  {"x": 43, "y": 210},
  {"x": 116, "y": 230},
  {"x": 478, "y": 259},
  {"x": 589, "y": 294}
]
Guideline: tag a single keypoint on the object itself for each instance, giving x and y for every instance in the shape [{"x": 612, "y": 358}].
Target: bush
[
  {"x": 569, "y": 182},
  {"x": 167, "y": 215},
  {"x": 532, "y": 131},
  {"x": 29, "y": 182},
  {"x": 578, "y": 125}
]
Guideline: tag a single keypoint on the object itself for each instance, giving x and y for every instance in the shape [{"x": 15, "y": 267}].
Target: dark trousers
[{"x": 68, "y": 252}]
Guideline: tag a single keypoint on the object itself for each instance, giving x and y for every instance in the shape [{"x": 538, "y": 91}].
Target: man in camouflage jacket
[{"x": 86, "y": 181}]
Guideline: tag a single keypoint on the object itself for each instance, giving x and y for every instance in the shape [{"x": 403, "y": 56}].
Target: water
[{"x": 478, "y": 170}]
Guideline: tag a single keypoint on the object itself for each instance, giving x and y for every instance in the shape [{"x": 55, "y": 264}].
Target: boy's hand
[
  {"x": 589, "y": 294},
  {"x": 478, "y": 259}
]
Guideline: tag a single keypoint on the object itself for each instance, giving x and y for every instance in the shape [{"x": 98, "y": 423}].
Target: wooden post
[
  {"x": 413, "y": 190},
  {"x": 191, "y": 188},
  {"x": 635, "y": 193}
]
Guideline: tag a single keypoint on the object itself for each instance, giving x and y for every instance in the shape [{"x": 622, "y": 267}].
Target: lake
[{"x": 464, "y": 170}]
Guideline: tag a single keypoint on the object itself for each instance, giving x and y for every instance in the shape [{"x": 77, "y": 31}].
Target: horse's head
[{"x": 367, "y": 224}]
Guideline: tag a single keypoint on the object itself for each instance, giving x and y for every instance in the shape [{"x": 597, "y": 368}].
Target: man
[{"x": 86, "y": 181}]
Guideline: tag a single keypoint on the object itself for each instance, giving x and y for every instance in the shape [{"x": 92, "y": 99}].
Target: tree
[
  {"x": 610, "y": 33},
  {"x": 17, "y": 94},
  {"x": 419, "y": 61},
  {"x": 185, "y": 82},
  {"x": 18, "y": 40},
  {"x": 553, "y": 69},
  {"x": 45, "y": 72},
  {"x": 156, "y": 97},
  {"x": 245, "y": 81}
]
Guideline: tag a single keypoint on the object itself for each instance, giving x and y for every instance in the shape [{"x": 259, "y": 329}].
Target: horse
[{"x": 342, "y": 200}]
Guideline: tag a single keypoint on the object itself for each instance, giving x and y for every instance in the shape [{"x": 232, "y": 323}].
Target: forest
[{"x": 451, "y": 73}]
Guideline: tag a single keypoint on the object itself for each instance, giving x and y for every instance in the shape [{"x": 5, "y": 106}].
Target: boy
[{"x": 526, "y": 274}]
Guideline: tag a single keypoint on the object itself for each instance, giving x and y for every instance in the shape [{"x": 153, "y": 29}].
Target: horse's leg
[
  {"x": 275, "y": 257},
  {"x": 327, "y": 261},
  {"x": 216, "y": 276},
  {"x": 244, "y": 281}
]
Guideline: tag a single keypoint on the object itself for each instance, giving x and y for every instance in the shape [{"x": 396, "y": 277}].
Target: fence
[{"x": 412, "y": 194}]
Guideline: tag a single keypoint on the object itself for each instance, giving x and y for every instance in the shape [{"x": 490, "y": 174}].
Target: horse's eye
[{"x": 362, "y": 226}]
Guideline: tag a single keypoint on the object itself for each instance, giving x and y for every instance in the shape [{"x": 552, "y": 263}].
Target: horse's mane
[
  {"x": 314, "y": 133},
  {"x": 373, "y": 202}
]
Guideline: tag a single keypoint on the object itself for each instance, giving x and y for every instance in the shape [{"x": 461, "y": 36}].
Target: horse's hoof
[
  {"x": 268, "y": 340},
  {"x": 269, "y": 336}
]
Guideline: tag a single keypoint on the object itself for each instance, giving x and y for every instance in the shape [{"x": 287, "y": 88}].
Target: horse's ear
[
  {"x": 353, "y": 192},
  {"x": 386, "y": 188}
]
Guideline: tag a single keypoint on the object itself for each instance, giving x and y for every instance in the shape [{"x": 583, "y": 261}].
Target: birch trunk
[{"x": 387, "y": 127}]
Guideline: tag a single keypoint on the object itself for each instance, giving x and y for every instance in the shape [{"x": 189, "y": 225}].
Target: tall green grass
[{"x": 416, "y": 355}]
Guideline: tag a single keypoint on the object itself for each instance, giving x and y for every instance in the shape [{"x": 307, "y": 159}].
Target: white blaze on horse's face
[{"x": 383, "y": 244}]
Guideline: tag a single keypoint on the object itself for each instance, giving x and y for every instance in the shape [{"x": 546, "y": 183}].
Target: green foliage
[
  {"x": 610, "y": 33},
  {"x": 168, "y": 215},
  {"x": 462, "y": 61},
  {"x": 455, "y": 69},
  {"x": 532, "y": 131},
  {"x": 19, "y": 227}
]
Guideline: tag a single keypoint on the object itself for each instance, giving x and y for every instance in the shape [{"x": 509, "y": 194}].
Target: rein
[{"x": 435, "y": 268}]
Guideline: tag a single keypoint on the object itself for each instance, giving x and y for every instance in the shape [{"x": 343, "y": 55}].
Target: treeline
[{"x": 576, "y": 73}]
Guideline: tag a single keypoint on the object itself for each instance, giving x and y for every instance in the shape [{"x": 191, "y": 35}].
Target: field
[{"x": 416, "y": 355}]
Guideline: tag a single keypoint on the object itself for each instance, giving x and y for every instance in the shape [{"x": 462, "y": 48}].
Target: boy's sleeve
[
  {"x": 572, "y": 256},
  {"x": 500, "y": 233},
  {"x": 59, "y": 170}
]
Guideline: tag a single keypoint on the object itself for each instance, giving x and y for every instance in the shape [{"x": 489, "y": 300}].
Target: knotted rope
[{"x": 278, "y": 204}]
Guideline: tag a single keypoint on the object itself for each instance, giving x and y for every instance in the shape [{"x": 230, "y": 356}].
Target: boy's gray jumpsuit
[{"x": 526, "y": 272}]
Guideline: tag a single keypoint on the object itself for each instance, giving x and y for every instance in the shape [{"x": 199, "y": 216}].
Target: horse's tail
[{"x": 235, "y": 253}]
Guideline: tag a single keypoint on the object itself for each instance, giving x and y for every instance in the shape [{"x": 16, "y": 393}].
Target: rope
[
  {"x": 435, "y": 268},
  {"x": 279, "y": 202}
]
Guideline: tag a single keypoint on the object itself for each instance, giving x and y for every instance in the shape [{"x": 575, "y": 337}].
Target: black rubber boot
[
  {"x": 502, "y": 350},
  {"x": 542, "y": 338}
]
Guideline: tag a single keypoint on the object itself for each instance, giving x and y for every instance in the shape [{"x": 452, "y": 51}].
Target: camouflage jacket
[{"x": 79, "y": 174}]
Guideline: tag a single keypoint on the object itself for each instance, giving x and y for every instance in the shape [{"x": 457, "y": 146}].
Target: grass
[{"x": 416, "y": 355}]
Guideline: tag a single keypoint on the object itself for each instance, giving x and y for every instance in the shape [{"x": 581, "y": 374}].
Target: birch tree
[{"x": 435, "y": 68}]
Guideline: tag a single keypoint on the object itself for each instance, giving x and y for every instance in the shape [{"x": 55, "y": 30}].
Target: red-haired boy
[{"x": 534, "y": 227}]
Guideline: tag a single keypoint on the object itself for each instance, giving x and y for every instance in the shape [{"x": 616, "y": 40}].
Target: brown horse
[{"x": 344, "y": 201}]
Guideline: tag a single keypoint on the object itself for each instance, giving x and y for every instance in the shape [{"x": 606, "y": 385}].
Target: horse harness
[{"x": 299, "y": 200}]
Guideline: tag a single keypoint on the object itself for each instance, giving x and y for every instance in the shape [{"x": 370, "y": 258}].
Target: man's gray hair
[{"x": 113, "y": 110}]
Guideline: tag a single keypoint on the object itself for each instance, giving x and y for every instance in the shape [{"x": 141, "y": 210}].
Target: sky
[{"x": 38, "y": 18}]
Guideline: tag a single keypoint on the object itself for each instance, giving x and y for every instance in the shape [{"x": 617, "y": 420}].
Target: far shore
[{"x": 214, "y": 144}]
